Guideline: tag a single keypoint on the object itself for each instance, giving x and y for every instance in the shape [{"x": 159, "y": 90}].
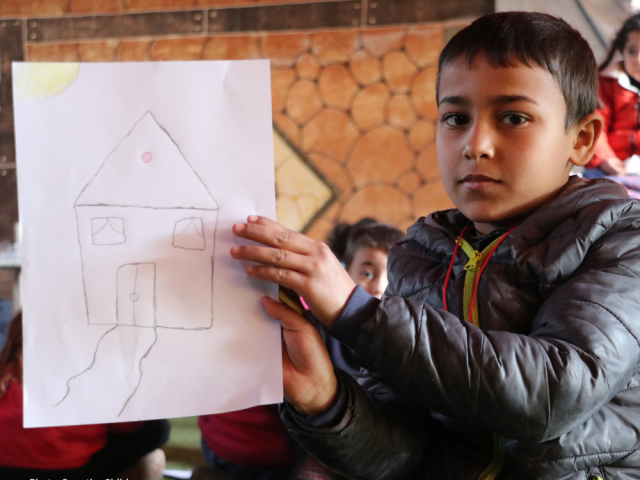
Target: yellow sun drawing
[{"x": 37, "y": 82}]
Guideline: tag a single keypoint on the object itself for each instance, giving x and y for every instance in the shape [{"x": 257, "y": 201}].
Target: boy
[{"x": 519, "y": 362}]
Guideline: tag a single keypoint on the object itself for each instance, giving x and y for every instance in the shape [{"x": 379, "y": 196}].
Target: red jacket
[
  {"x": 617, "y": 106},
  {"x": 254, "y": 437},
  {"x": 49, "y": 448}
]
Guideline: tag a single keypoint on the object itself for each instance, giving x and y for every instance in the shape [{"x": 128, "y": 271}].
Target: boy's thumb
[{"x": 288, "y": 318}]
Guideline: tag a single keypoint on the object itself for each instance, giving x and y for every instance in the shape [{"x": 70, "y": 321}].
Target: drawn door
[{"x": 136, "y": 302}]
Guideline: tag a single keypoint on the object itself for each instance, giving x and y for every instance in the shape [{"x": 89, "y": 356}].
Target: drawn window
[
  {"x": 107, "y": 231},
  {"x": 189, "y": 234}
]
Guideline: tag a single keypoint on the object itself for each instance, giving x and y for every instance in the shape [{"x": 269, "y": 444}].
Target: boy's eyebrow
[
  {"x": 455, "y": 100},
  {"x": 498, "y": 100},
  {"x": 502, "y": 99},
  {"x": 368, "y": 264}
]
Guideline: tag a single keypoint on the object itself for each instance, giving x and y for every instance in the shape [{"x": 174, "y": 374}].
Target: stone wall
[{"x": 352, "y": 86}]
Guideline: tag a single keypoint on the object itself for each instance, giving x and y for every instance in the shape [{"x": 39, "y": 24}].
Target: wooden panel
[
  {"x": 115, "y": 26},
  {"x": 300, "y": 16},
  {"x": 286, "y": 17},
  {"x": 8, "y": 204},
  {"x": 11, "y": 49},
  {"x": 386, "y": 12}
]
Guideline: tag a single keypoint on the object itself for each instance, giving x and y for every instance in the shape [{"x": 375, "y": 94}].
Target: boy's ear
[{"x": 586, "y": 137}]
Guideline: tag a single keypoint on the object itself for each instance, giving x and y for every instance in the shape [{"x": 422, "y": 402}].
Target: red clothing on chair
[
  {"x": 253, "y": 437},
  {"x": 48, "y": 448},
  {"x": 618, "y": 106}
]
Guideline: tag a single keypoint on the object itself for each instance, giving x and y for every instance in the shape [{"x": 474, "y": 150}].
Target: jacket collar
[
  {"x": 577, "y": 194},
  {"x": 617, "y": 72}
]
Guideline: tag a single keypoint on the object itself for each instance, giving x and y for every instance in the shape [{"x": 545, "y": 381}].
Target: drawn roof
[{"x": 147, "y": 169}]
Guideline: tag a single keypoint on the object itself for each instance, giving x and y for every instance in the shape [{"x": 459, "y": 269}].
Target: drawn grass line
[
  {"x": 84, "y": 284},
  {"x": 93, "y": 361},
  {"x": 155, "y": 331},
  {"x": 135, "y": 283}
]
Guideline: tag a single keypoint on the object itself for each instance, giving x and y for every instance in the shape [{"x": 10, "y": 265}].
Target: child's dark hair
[
  {"x": 345, "y": 240},
  {"x": 631, "y": 25},
  {"x": 11, "y": 356},
  {"x": 532, "y": 39}
]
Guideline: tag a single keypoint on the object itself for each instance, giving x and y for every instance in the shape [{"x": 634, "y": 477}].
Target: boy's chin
[{"x": 484, "y": 218}]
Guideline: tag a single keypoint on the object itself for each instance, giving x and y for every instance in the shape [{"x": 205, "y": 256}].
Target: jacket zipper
[
  {"x": 634, "y": 148},
  {"x": 473, "y": 266}
]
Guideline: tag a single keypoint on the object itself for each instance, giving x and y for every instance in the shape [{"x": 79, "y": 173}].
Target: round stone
[
  {"x": 432, "y": 197},
  {"x": 385, "y": 204},
  {"x": 337, "y": 86},
  {"x": 330, "y": 133},
  {"x": 398, "y": 71},
  {"x": 366, "y": 69},
  {"x": 368, "y": 106},
  {"x": 424, "y": 94},
  {"x": 380, "y": 156}
]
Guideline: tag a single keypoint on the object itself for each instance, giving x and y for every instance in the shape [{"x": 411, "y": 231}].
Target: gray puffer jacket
[{"x": 548, "y": 385}]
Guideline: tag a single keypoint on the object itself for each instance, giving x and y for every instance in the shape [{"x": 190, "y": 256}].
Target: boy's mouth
[{"x": 475, "y": 182}]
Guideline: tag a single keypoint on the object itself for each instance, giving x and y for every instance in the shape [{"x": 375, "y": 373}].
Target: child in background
[
  {"x": 362, "y": 248},
  {"x": 118, "y": 450},
  {"x": 509, "y": 323},
  {"x": 619, "y": 104}
]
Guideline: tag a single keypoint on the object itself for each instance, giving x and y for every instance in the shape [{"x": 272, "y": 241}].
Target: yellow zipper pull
[{"x": 473, "y": 261}]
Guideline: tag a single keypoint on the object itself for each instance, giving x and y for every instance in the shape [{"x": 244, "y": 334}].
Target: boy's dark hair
[
  {"x": 631, "y": 25},
  {"x": 345, "y": 240},
  {"x": 533, "y": 39}
]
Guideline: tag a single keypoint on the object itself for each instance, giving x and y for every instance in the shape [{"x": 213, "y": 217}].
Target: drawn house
[{"x": 146, "y": 227}]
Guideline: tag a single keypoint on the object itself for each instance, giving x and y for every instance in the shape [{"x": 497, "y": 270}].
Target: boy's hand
[
  {"x": 310, "y": 383},
  {"x": 297, "y": 262},
  {"x": 613, "y": 166}
]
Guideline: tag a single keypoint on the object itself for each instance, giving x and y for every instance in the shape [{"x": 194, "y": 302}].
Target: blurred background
[
  {"x": 352, "y": 87},
  {"x": 354, "y": 112}
]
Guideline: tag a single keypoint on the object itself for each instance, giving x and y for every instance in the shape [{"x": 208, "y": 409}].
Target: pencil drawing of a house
[{"x": 146, "y": 228}]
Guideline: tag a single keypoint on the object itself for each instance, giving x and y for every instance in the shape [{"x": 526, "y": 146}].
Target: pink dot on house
[{"x": 146, "y": 157}]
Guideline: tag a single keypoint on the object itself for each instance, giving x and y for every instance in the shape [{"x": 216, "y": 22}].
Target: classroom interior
[{"x": 353, "y": 98}]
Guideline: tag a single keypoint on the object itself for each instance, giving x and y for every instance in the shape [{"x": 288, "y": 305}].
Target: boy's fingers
[
  {"x": 265, "y": 222},
  {"x": 278, "y": 257},
  {"x": 282, "y": 276},
  {"x": 259, "y": 219},
  {"x": 278, "y": 237}
]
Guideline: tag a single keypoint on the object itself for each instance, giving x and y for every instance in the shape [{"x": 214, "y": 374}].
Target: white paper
[
  {"x": 130, "y": 177},
  {"x": 177, "y": 473},
  {"x": 633, "y": 165}
]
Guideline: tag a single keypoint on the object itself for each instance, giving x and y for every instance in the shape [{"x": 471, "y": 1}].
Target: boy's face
[
  {"x": 631, "y": 55},
  {"x": 369, "y": 270},
  {"x": 502, "y": 145}
]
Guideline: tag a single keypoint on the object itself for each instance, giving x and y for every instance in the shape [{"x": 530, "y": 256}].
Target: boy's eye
[
  {"x": 514, "y": 119},
  {"x": 456, "y": 119},
  {"x": 368, "y": 274}
]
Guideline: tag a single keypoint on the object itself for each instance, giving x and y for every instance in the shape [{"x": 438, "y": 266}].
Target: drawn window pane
[
  {"x": 107, "y": 231},
  {"x": 189, "y": 234}
]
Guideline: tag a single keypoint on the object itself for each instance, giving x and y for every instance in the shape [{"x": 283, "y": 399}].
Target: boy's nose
[
  {"x": 378, "y": 285},
  {"x": 479, "y": 143}
]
